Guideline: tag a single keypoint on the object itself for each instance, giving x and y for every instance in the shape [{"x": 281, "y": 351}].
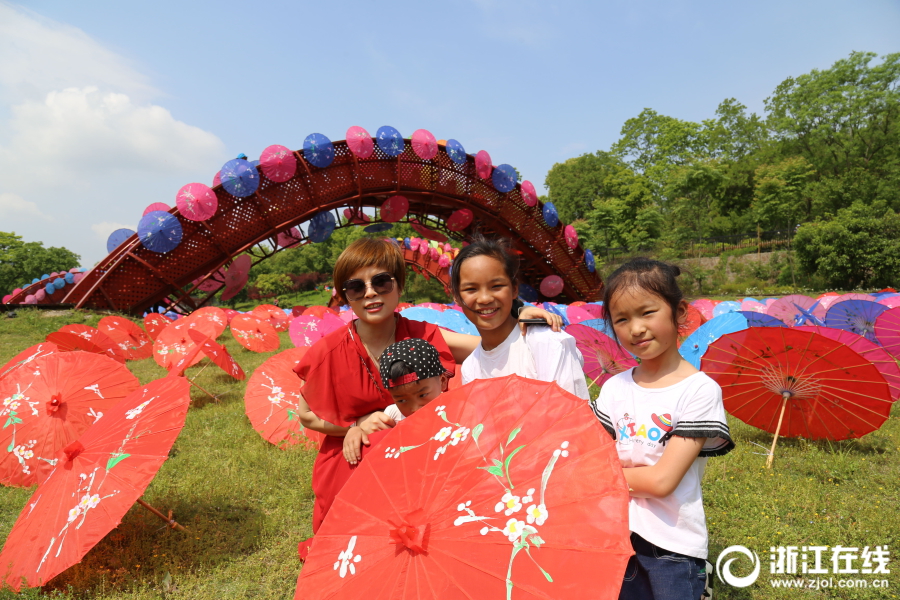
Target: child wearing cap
[{"x": 412, "y": 372}]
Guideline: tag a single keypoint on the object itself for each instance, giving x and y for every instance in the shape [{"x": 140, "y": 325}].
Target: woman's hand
[
  {"x": 353, "y": 444},
  {"x": 533, "y": 312},
  {"x": 377, "y": 421}
]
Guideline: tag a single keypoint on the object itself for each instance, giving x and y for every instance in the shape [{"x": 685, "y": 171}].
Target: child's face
[
  {"x": 374, "y": 308},
  {"x": 412, "y": 396},
  {"x": 486, "y": 291},
  {"x": 643, "y": 323}
]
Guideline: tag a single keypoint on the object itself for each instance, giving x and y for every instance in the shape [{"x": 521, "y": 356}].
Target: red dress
[{"x": 341, "y": 384}]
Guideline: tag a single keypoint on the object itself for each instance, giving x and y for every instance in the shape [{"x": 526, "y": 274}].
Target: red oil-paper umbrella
[
  {"x": 394, "y": 208},
  {"x": 360, "y": 142},
  {"x": 424, "y": 144},
  {"x": 154, "y": 323},
  {"x": 692, "y": 321},
  {"x": 253, "y": 334},
  {"x": 278, "y": 163},
  {"x": 272, "y": 401},
  {"x": 236, "y": 276},
  {"x": 50, "y": 404},
  {"x": 97, "y": 337},
  {"x": 460, "y": 219},
  {"x": 503, "y": 488},
  {"x": 97, "y": 478},
  {"x": 483, "y": 166},
  {"x": 603, "y": 357},
  {"x": 174, "y": 343},
  {"x": 276, "y": 317},
  {"x": 25, "y": 357},
  {"x": 797, "y": 384},
  {"x": 887, "y": 330},
  {"x": 210, "y": 319},
  {"x": 318, "y": 311},
  {"x": 69, "y": 342},
  {"x": 217, "y": 354},
  {"x": 133, "y": 343}
]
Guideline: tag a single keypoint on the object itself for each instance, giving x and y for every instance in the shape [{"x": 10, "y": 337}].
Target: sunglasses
[{"x": 382, "y": 284}]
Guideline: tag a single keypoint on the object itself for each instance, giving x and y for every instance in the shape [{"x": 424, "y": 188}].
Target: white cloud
[
  {"x": 102, "y": 230},
  {"x": 14, "y": 206}
]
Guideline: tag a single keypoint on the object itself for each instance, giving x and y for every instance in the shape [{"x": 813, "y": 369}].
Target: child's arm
[
  {"x": 661, "y": 479},
  {"x": 310, "y": 420},
  {"x": 462, "y": 345},
  {"x": 359, "y": 434}
]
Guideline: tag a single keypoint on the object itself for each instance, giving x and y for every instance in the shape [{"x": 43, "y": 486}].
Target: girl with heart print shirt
[{"x": 667, "y": 418}]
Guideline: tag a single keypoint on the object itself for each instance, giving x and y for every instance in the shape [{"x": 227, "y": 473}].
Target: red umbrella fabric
[
  {"x": 217, "y": 354},
  {"x": 394, "y": 208},
  {"x": 289, "y": 238},
  {"x": 705, "y": 306},
  {"x": 551, "y": 286},
  {"x": 69, "y": 342},
  {"x": 360, "y": 142},
  {"x": 424, "y": 144},
  {"x": 154, "y": 323},
  {"x": 253, "y": 334},
  {"x": 505, "y": 488},
  {"x": 211, "y": 320},
  {"x": 97, "y": 479},
  {"x": 174, "y": 343},
  {"x": 236, "y": 276},
  {"x": 887, "y": 330},
  {"x": 196, "y": 202},
  {"x": 692, "y": 322},
  {"x": 50, "y": 404},
  {"x": 603, "y": 357},
  {"x": 278, "y": 163},
  {"x": 133, "y": 343},
  {"x": 26, "y": 357},
  {"x": 460, "y": 219},
  {"x": 276, "y": 317},
  {"x": 828, "y": 390},
  {"x": 98, "y": 338},
  {"x": 272, "y": 401},
  {"x": 318, "y": 311},
  {"x": 426, "y": 232}
]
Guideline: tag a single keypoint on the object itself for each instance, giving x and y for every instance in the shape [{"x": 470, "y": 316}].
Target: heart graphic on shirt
[{"x": 664, "y": 422}]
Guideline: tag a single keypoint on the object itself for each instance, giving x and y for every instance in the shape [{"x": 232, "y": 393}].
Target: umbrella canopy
[
  {"x": 154, "y": 323},
  {"x": 117, "y": 238},
  {"x": 695, "y": 345},
  {"x": 133, "y": 343},
  {"x": 69, "y": 342},
  {"x": 450, "y": 319},
  {"x": 424, "y": 144},
  {"x": 529, "y": 194},
  {"x": 96, "y": 337},
  {"x": 278, "y": 163},
  {"x": 887, "y": 329},
  {"x": 321, "y": 226},
  {"x": 858, "y": 316},
  {"x": 156, "y": 206},
  {"x": 828, "y": 390},
  {"x": 460, "y": 219},
  {"x": 217, "y": 354},
  {"x": 456, "y": 152},
  {"x": 276, "y": 317},
  {"x": 360, "y": 142},
  {"x": 50, "y": 404},
  {"x": 389, "y": 140},
  {"x": 394, "y": 208},
  {"x": 692, "y": 321},
  {"x": 571, "y": 236},
  {"x": 378, "y": 228},
  {"x": 159, "y": 231},
  {"x": 318, "y": 150},
  {"x": 26, "y": 357},
  {"x": 289, "y": 238},
  {"x": 757, "y": 319},
  {"x": 98, "y": 478},
  {"x": 211, "y": 320},
  {"x": 306, "y": 330},
  {"x": 461, "y": 489},
  {"x": 253, "y": 334},
  {"x": 727, "y": 306},
  {"x": 797, "y": 309},
  {"x": 239, "y": 178},
  {"x": 319, "y": 311},
  {"x": 174, "y": 342},
  {"x": 603, "y": 357},
  {"x": 890, "y": 301},
  {"x": 272, "y": 401},
  {"x": 483, "y": 164},
  {"x": 504, "y": 178},
  {"x": 196, "y": 202},
  {"x": 551, "y": 286},
  {"x": 236, "y": 276},
  {"x": 551, "y": 216},
  {"x": 577, "y": 314}
]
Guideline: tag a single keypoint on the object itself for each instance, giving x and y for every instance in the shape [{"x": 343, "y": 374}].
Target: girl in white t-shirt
[
  {"x": 667, "y": 418},
  {"x": 483, "y": 279}
]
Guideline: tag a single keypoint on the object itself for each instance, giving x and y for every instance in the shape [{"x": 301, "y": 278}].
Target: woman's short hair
[{"x": 368, "y": 252}]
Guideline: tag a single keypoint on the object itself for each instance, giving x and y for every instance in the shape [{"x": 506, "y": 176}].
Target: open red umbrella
[
  {"x": 69, "y": 342},
  {"x": 603, "y": 357},
  {"x": 319, "y": 311},
  {"x": 424, "y": 144},
  {"x": 253, "y": 334},
  {"x": 211, "y": 320},
  {"x": 887, "y": 329},
  {"x": 25, "y": 357},
  {"x": 236, "y": 276},
  {"x": 97, "y": 479},
  {"x": 693, "y": 320},
  {"x": 174, "y": 343},
  {"x": 133, "y": 343},
  {"x": 505, "y": 487},
  {"x": 217, "y": 354},
  {"x": 360, "y": 142},
  {"x": 705, "y": 306},
  {"x": 50, "y": 404},
  {"x": 272, "y": 398},
  {"x": 154, "y": 323},
  {"x": 98, "y": 338},
  {"x": 394, "y": 208},
  {"x": 276, "y": 317},
  {"x": 797, "y": 384}
]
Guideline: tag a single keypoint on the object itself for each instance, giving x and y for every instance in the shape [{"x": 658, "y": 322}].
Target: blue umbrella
[
  {"x": 406, "y": 243},
  {"x": 378, "y": 227},
  {"x": 857, "y": 316},
  {"x": 726, "y": 307},
  {"x": 527, "y": 293},
  {"x": 117, "y": 237},
  {"x": 451, "y": 319},
  {"x": 321, "y": 227},
  {"x": 390, "y": 141},
  {"x": 589, "y": 261},
  {"x": 318, "y": 150},
  {"x": 601, "y": 326},
  {"x": 755, "y": 319},
  {"x": 44, "y": 276},
  {"x": 694, "y": 346},
  {"x": 558, "y": 309},
  {"x": 59, "y": 283},
  {"x": 456, "y": 152},
  {"x": 239, "y": 178},
  {"x": 49, "y": 289},
  {"x": 504, "y": 178},
  {"x": 159, "y": 231},
  {"x": 551, "y": 217},
  {"x": 70, "y": 278},
  {"x": 35, "y": 280}
]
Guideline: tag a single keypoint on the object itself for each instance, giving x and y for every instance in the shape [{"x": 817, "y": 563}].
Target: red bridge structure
[{"x": 133, "y": 279}]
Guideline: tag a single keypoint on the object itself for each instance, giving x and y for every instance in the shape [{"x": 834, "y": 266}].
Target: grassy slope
[{"x": 247, "y": 504}]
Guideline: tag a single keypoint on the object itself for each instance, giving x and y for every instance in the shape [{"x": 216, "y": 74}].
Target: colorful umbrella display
[
  {"x": 424, "y": 144},
  {"x": 858, "y": 316},
  {"x": 154, "y": 323},
  {"x": 96, "y": 337},
  {"x": 50, "y": 404},
  {"x": 321, "y": 227},
  {"x": 797, "y": 309},
  {"x": 159, "y": 231},
  {"x": 133, "y": 343},
  {"x": 360, "y": 142},
  {"x": 887, "y": 329},
  {"x": 173, "y": 344},
  {"x": 456, "y": 152},
  {"x": 695, "y": 345},
  {"x": 318, "y": 150},
  {"x": 117, "y": 238},
  {"x": 725, "y": 307},
  {"x": 306, "y": 330},
  {"x": 272, "y": 401},
  {"x": 98, "y": 478},
  {"x": 529, "y": 194},
  {"x": 483, "y": 164},
  {"x": 504, "y": 178},
  {"x": 26, "y": 357},
  {"x": 757, "y": 319},
  {"x": 239, "y": 178},
  {"x": 196, "y": 202},
  {"x": 507, "y": 488},
  {"x": 218, "y": 354},
  {"x": 276, "y": 317},
  {"x": 161, "y": 206},
  {"x": 603, "y": 357},
  {"x": 253, "y": 334},
  {"x": 389, "y": 141},
  {"x": 551, "y": 286},
  {"x": 211, "y": 320},
  {"x": 278, "y": 163}
]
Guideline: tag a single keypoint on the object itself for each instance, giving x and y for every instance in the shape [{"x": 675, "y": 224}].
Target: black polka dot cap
[{"x": 419, "y": 355}]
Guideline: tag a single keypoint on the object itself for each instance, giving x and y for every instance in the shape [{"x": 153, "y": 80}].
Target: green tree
[
  {"x": 625, "y": 216},
  {"x": 694, "y": 191},
  {"x": 782, "y": 197},
  {"x": 273, "y": 283},
  {"x": 575, "y": 184},
  {"x": 20, "y": 262}
]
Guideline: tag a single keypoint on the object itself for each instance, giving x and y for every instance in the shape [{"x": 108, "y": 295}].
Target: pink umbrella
[
  {"x": 887, "y": 330},
  {"x": 460, "y": 219},
  {"x": 394, "y": 208},
  {"x": 360, "y": 142},
  {"x": 705, "y": 306},
  {"x": 551, "y": 286},
  {"x": 788, "y": 309},
  {"x": 357, "y": 217},
  {"x": 236, "y": 276},
  {"x": 577, "y": 314},
  {"x": 752, "y": 306},
  {"x": 424, "y": 144},
  {"x": 349, "y": 315},
  {"x": 444, "y": 261},
  {"x": 892, "y": 301},
  {"x": 156, "y": 206},
  {"x": 7, "y": 298},
  {"x": 571, "y": 236},
  {"x": 596, "y": 310},
  {"x": 529, "y": 194},
  {"x": 278, "y": 163},
  {"x": 289, "y": 238},
  {"x": 843, "y": 297},
  {"x": 330, "y": 322},
  {"x": 873, "y": 353},
  {"x": 433, "y": 305},
  {"x": 603, "y": 358},
  {"x": 196, "y": 202},
  {"x": 217, "y": 180},
  {"x": 306, "y": 330},
  {"x": 483, "y": 166},
  {"x": 40, "y": 295}
]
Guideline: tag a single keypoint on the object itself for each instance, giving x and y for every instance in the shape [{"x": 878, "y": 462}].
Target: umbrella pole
[
  {"x": 771, "y": 458},
  {"x": 168, "y": 519},
  {"x": 202, "y": 390},
  {"x": 209, "y": 362},
  {"x": 594, "y": 382}
]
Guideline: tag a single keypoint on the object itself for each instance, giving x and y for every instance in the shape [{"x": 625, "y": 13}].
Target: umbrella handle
[
  {"x": 202, "y": 390},
  {"x": 784, "y": 399},
  {"x": 201, "y": 370},
  {"x": 169, "y": 520},
  {"x": 594, "y": 382}
]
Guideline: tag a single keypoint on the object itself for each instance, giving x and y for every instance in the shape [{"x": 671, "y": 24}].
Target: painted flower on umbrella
[
  {"x": 443, "y": 434},
  {"x": 509, "y": 504},
  {"x": 277, "y": 395},
  {"x": 537, "y": 514},
  {"x": 346, "y": 559},
  {"x": 514, "y": 529}
]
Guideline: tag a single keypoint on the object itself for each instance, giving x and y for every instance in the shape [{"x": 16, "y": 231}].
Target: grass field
[{"x": 247, "y": 504}]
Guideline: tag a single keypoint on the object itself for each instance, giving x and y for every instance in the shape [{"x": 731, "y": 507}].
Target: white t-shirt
[
  {"x": 641, "y": 420},
  {"x": 393, "y": 412},
  {"x": 543, "y": 354}
]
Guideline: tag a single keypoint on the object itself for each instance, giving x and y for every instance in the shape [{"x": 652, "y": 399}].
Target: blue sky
[{"x": 107, "y": 107}]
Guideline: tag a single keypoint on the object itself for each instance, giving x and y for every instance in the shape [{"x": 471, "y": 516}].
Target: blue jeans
[{"x": 657, "y": 574}]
